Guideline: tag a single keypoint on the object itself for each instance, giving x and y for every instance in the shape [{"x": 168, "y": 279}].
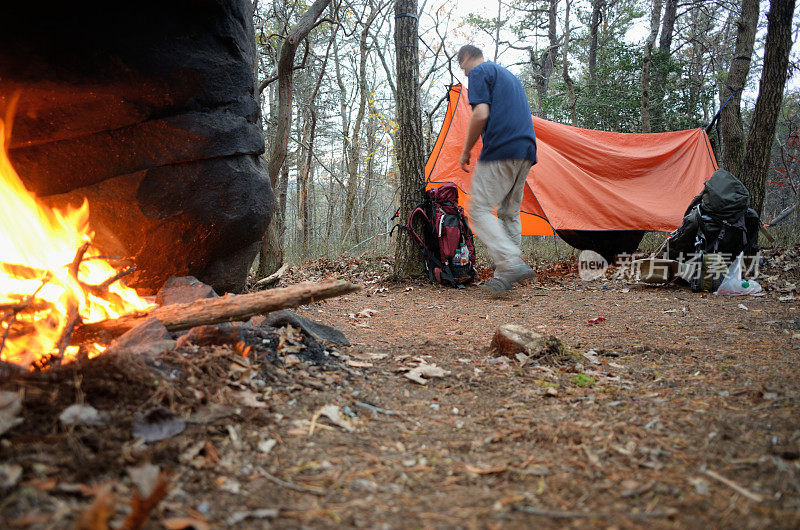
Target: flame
[{"x": 37, "y": 246}]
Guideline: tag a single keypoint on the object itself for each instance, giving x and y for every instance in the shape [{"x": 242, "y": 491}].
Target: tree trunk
[
  {"x": 594, "y": 29},
  {"x": 408, "y": 141},
  {"x": 565, "y": 69},
  {"x": 730, "y": 119},
  {"x": 668, "y": 26},
  {"x": 271, "y": 252},
  {"x": 353, "y": 151},
  {"x": 303, "y": 170},
  {"x": 497, "y": 31},
  {"x": 305, "y": 173},
  {"x": 369, "y": 176},
  {"x": 659, "y": 78},
  {"x": 646, "y": 60},
  {"x": 548, "y": 58},
  {"x": 768, "y": 104}
]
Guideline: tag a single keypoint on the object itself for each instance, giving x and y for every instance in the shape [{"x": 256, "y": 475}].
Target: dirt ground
[{"x": 679, "y": 410}]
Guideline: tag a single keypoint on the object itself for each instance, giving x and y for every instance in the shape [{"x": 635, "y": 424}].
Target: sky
[{"x": 637, "y": 33}]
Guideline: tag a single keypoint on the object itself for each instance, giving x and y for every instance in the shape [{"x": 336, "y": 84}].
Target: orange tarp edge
[{"x": 585, "y": 179}]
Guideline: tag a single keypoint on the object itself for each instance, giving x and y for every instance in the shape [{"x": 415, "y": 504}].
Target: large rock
[{"x": 150, "y": 111}]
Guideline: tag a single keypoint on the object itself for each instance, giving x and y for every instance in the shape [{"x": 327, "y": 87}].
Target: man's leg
[
  {"x": 508, "y": 214},
  {"x": 491, "y": 184},
  {"x": 508, "y": 209}
]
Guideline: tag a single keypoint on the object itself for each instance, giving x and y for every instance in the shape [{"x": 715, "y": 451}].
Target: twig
[
  {"x": 73, "y": 307},
  {"x": 591, "y": 515},
  {"x": 289, "y": 485},
  {"x": 20, "y": 307},
  {"x": 755, "y": 497},
  {"x": 76, "y": 262},
  {"x": 102, "y": 288},
  {"x": 14, "y": 312},
  {"x": 272, "y": 278}
]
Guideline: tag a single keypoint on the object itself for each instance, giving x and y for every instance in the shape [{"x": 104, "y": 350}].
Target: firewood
[
  {"x": 25, "y": 272},
  {"x": 73, "y": 308},
  {"x": 177, "y": 317},
  {"x": 272, "y": 278}
]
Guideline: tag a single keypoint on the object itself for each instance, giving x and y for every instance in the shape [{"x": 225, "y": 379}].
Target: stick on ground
[{"x": 177, "y": 317}]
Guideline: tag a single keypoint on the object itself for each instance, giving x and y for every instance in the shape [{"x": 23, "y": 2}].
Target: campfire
[{"x": 51, "y": 277}]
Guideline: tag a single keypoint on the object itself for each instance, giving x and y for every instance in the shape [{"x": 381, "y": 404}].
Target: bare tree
[
  {"x": 768, "y": 104},
  {"x": 304, "y": 175},
  {"x": 730, "y": 118},
  {"x": 571, "y": 99},
  {"x": 271, "y": 251},
  {"x": 408, "y": 141},
  {"x": 655, "y": 15},
  {"x": 594, "y": 30},
  {"x": 353, "y": 141}
]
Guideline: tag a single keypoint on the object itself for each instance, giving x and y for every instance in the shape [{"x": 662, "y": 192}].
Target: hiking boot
[
  {"x": 496, "y": 287},
  {"x": 519, "y": 273}
]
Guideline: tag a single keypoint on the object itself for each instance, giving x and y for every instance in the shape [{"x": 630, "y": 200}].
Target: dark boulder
[{"x": 150, "y": 111}]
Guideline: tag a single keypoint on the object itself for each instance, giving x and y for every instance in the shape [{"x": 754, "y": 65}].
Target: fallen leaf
[
  {"x": 97, "y": 515},
  {"x": 143, "y": 506},
  {"x": 157, "y": 424},
  {"x": 82, "y": 415},
  {"x": 191, "y": 452},
  {"x": 334, "y": 414},
  {"x": 591, "y": 356},
  {"x": 484, "y": 470},
  {"x": 10, "y": 407},
  {"x": 9, "y": 475},
  {"x": 265, "y": 446},
  {"x": 185, "y": 523},
  {"x": 249, "y": 398},
  {"x": 264, "y": 513},
  {"x": 359, "y": 364},
  {"x": 145, "y": 478},
  {"x": 291, "y": 360},
  {"x": 231, "y": 486},
  {"x": 290, "y": 340},
  {"x": 425, "y": 370},
  {"x": 368, "y": 356},
  {"x": 42, "y": 484},
  {"x": 210, "y": 413}
]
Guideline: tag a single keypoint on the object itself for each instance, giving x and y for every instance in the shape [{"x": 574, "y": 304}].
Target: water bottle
[{"x": 463, "y": 252}]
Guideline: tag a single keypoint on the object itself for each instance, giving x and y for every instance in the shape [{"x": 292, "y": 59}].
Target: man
[{"x": 501, "y": 115}]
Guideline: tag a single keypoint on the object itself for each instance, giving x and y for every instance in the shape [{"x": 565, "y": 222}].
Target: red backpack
[{"x": 446, "y": 239}]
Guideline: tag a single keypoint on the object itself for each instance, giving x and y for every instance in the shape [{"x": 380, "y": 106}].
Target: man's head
[{"x": 469, "y": 57}]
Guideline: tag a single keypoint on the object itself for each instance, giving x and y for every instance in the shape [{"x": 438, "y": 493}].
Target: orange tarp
[{"x": 588, "y": 180}]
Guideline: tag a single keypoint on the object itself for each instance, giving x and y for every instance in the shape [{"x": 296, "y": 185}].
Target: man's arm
[{"x": 480, "y": 115}]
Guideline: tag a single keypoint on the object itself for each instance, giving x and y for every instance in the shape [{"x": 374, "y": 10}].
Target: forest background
[{"x": 613, "y": 65}]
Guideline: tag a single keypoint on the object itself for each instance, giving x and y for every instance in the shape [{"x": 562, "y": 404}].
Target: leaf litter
[{"x": 533, "y": 444}]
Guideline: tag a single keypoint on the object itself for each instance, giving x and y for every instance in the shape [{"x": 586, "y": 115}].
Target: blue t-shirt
[{"x": 508, "y": 133}]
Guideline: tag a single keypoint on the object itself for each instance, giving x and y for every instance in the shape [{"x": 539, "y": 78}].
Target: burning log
[
  {"x": 177, "y": 317},
  {"x": 11, "y": 317},
  {"x": 25, "y": 272},
  {"x": 73, "y": 307}
]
